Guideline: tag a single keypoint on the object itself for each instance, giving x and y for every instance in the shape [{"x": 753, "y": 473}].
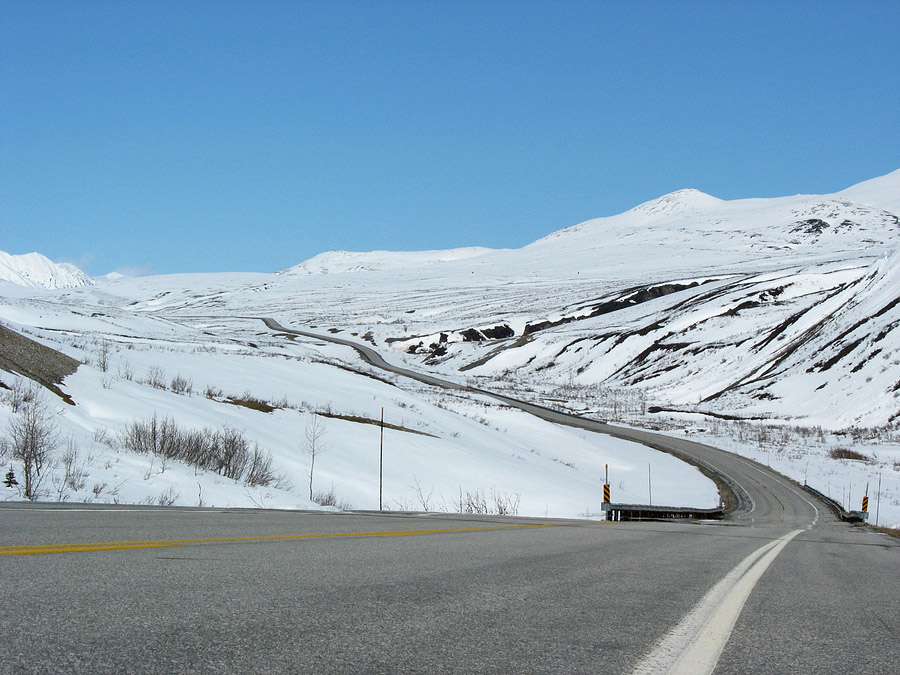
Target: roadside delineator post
[
  {"x": 865, "y": 504},
  {"x": 606, "y": 485},
  {"x": 606, "y": 499}
]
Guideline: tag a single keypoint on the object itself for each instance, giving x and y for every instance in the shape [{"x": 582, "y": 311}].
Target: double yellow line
[{"x": 44, "y": 549}]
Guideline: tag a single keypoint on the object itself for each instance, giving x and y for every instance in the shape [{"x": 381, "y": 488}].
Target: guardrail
[
  {"x": 837, "y": 507},
  {"x": 620, "y": 512}
]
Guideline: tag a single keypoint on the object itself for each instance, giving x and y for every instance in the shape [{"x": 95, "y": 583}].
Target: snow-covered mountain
[
  {"x": 684, "y": 309},
  {"x": 333, "y": 262},
  {"x": 33, "y": 270}
]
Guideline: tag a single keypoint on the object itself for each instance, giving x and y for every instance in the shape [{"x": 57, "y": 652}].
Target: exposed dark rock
[
  {"x": 810, "y": 226},
  {"x": 472, "y": 335},
  {"x": 46, "y": 366},
  {"x": 498, "y": 332}
]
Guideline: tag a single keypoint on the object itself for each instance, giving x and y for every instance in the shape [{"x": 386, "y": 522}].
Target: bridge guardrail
[
  {"x": 620, "y": 512},
  {"x": 846, "y": 516}
]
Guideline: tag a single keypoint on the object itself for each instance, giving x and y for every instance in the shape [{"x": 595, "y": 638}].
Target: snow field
[{"x": 463, "y": 446}]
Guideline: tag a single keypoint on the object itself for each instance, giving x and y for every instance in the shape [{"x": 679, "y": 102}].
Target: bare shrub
[
  {"x": 168, "y": 497},
  {"x": 126, "y": 372},
  {"x": 233, "y": 453},
  {"x": 846, "y": 453},
  {"x": 156, "y": 377},
  {"x": 226, "y": 451},
  {"x": 504, "y": 504},
  {"x": 325, "y": 498},
  {"x": 472, "y": 502},
  {"x": 154, "y": 437},
  {"x": 424, "y": 499},
  {"x": 101, "y": 435},
  {"x": 33, "y": 435},
  {"x": 74, "y": 472},
  {"x": 259, "y": 469},
  {"x": 181, "y": 385},
  {"x": 103, "y": 356},
  {"x": 18, "y": 394},
  {"x": 330, "y": 498}
]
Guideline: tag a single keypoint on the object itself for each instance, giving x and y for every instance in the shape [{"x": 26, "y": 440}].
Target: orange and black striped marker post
[
  {"x": 865, "y": 503},
  {"x": 606, "y": 493}
]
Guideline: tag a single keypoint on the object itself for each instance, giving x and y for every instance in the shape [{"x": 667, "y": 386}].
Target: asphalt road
[{"x": 150, "y": 590}]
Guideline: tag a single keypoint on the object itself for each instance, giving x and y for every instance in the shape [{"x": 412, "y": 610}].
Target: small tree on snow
[
  {"x": 32, "y": 433},
  {"x": 313, "y": 445}
]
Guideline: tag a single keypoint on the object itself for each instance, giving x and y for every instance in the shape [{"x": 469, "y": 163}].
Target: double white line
[{"x": 693, "y": 646}]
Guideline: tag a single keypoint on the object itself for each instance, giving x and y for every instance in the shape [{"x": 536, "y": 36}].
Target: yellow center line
[{"x": 41, "y": 549}]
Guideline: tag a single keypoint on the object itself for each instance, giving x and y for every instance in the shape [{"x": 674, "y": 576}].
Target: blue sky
[{"x": 199, "y": 136}]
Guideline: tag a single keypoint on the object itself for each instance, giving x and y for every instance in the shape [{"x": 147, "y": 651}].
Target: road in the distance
[{"x": 211, "y": 590}]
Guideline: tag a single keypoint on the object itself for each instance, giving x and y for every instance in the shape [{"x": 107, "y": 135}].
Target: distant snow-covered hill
[
  {"x": 36, "y": 271},
  {"x": 686, "y": 309},
  {"x": 783, "y": 308},
  {"x": 350, "y": 261}
]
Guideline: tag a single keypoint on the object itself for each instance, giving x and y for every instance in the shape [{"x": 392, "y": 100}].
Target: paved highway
[{"x": 780, "y": 586}]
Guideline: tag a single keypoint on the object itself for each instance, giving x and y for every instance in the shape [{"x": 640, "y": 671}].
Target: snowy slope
[
  {"x": 36, "y": 271},
  {"x": 348, "y": 261},
  {"x": 880, "y": 193},
  {"x": 687, "y": 310}
]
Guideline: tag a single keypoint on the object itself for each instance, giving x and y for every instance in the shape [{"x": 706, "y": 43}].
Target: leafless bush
[
  {"x": 33, "y": 436},
  {"x": 154, "y": 437},
  {"x": 845, "y": 453},
  {"x": 101, "y": 435},
  {"x": 212, "y": 392},
  {"x": 504, "y": 504},
  {"x": 181, "y": 385},
  {"x": 103, "y": 356},
  {"x": 259, "y": 470},
  {"x": 17, "y": 394},
  {"x": 424, "y": 499},
  {"x": 472, "y": 502},
  {"x": 74, "y": 472},
  {"x": 126, "y": 372},
  {"x": 330, "y": 498},
  {"x": 225, "y": 451},
  {"x": 233, "y": 453},
  {"x": 325, "y": 498},
  {"x": 156, "y": 377},
  {"x": 168, "y": 497}
]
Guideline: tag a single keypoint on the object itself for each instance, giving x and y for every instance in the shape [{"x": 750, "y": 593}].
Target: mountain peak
[
  {"x": 34, "y": 270},
  {"x": 681, "y": 202}
]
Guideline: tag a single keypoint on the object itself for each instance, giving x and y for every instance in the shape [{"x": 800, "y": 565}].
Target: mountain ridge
[{"x": 34, "y": 270}]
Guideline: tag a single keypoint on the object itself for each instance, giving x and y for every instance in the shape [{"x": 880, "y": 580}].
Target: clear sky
[{"x": 222, "y": 135}]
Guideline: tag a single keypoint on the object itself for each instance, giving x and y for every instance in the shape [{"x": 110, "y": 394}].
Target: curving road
[
  {"x": 780, "y": 587},
  {"x": 848, "y": 565}
]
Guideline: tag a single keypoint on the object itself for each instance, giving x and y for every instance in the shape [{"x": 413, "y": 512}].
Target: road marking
[
  {"x": 42, "y": 549},
  {"x": 693, "y": 646},
  {"x": 777, "y": 477}
]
